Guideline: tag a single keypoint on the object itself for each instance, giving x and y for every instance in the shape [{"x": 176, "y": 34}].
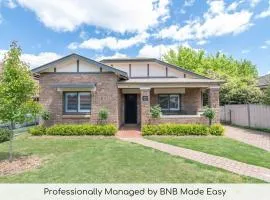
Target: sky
[{"x": 49, "y": 29}]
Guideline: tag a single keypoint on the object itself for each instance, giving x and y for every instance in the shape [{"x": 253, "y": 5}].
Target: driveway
[{"x": 256, "y": 138}]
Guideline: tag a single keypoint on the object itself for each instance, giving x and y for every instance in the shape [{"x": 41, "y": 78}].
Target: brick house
[{"x": 74, "y": 89}]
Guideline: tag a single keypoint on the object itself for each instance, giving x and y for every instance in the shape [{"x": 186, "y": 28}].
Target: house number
[{"x": 145, "y": 98}]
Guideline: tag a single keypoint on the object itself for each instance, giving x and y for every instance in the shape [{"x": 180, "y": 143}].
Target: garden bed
[{"x": 19, "y": 165}]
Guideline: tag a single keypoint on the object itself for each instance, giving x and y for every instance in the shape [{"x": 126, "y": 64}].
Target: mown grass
[
  {"x": 108, "y": 160},
  {"x": 221, "y": 146}
]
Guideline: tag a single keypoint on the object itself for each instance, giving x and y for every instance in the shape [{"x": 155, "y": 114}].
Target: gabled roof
[
  {"x": 179, "y": 68},
  {"x": 73, "y": 55},
  {"x": 264, "y": 81}
]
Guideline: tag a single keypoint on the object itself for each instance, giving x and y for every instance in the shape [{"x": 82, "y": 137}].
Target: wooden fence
[{"x": 250, "y": 115}]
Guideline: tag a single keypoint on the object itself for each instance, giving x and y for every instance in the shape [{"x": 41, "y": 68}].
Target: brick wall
[{"x": 106, "y": 95}]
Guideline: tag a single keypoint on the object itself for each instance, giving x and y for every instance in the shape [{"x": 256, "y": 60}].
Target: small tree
[
  {"x": 155, "y": 111},
  {"x": 16, "y": 90},
  {"x": 103, "y": 115},
  {"x": 266, "y": 96},
  {"x": 209, "y": 113}
]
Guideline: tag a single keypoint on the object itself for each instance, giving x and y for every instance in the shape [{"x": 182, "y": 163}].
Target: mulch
[{"x": 19, "y": 165}]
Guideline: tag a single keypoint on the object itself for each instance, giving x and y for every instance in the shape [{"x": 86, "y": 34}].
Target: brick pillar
[
  {"x": 214, "y": 102},
  {"x": 145, "y": 106}
]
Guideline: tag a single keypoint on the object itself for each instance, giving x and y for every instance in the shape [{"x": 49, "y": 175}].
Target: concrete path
[
  {"x": 256, "y": 138},
  {"x": 216, "y": 161}
]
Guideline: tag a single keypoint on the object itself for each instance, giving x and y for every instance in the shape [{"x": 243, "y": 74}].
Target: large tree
[
  {"x": 240, "y": 75},
  {"x": 17, "y": 88}
]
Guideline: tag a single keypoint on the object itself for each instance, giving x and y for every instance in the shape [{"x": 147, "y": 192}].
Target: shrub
[
  {"x": 209, "y": 113},
  {"x": 37, "y": 130},
  {"x": 45, "y": 115},
  {"x": 216, "y": 129},
  {"x": 155, "y": 111},
  {"x": 103, "y": 115},
  {"x": 175, "y": 129},
  {"x": 5, "y": 134},
  {"x": 182, "y": 129},
  {"x": 82, "y": 129}
]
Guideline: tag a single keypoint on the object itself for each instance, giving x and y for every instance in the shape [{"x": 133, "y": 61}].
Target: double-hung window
[
  {"x": 169, "y": 103},
  {"x": 77, "y": 102}
]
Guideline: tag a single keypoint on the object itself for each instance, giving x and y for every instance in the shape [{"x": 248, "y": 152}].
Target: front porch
[{"x": 179, "y": 104}]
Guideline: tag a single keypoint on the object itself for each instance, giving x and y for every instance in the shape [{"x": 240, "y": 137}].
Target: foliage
[
  {"x": 45, "y": 115},
  {"x": 155, "y": 111},
  {"x": 34, "y": 110},
  {"x": 37, "y": 130},
  {"x": 82, "y": 129},
  {"x": 209, "y": 113},
  {"x": 16, "y": 90},
  {"x": 181, "y": 129},
  {"x": 103, "y": 115},
  {"x": 266, "y": 95},
  {"x": 240, "y": 76},
  {"x": 216, "y": 129},
  {"x": 5, "y": 134}
]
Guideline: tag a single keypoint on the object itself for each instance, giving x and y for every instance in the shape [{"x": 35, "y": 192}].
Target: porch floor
[{"x": 129, "y": 131}]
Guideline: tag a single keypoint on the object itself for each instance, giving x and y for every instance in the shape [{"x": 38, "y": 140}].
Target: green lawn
[
  {"x": 221, "y": 146},
  {"x": 96, "y": 160}
]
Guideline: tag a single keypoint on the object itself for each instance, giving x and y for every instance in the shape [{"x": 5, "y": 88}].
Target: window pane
[
  {"x": 84, "y": 102},
  {"x": 71, "y": 103},
  {"x": 174, "y": 102},
  {"x": 164, "y": 102}
]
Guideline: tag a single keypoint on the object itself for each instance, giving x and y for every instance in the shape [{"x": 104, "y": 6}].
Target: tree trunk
[
  {"x": 210, "y": 122},
  {"x": 10, "y": 142}
]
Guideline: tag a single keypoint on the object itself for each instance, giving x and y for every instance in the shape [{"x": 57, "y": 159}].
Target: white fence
[{"x": 250, "y": 115}]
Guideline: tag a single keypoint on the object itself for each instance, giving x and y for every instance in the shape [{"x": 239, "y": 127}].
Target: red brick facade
[{"x": 106, "y": 95}]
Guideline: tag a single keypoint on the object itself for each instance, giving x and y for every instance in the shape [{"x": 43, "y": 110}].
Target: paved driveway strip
[
  {"x": 216, "y": 161},
  {"x": 256, "y": 138}
]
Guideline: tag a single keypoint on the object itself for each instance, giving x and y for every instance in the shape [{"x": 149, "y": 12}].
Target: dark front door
[{"x": 131, "y": 108}]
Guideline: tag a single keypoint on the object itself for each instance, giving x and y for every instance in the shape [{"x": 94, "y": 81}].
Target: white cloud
[
  {"x": 264, "y": 47},
  {"x": 254, "y": 3},
  {"x": 110, "y": 42},
  {"x": 266, "y": 44},
  {"x": 35, "y": 60},
  {"x": 265, "y": 13},
  {"x": 8, "y": 3},
  {"x": 202, "y": 42},
  {"x": 116, "y": 55},
  {"x": 188, "y": 3},
  {"x": 116, "y": 15},
  {"x": 1, "y": 18},
  {"x": 83, "y": 35},
  {"x": 217, "y": 21},
  {"x": 158, "y": 50},
  {"x": 245, "y": 51}
]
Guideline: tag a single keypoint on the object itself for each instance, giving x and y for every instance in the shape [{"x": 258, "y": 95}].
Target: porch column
[
  {"x": 145, "y": 105},
  {"x": 214, "y": 102}
]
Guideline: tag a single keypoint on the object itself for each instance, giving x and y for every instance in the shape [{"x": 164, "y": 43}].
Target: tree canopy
[
  {"x": 17, "y": 88},
  {"x": 240, "y": 75}
]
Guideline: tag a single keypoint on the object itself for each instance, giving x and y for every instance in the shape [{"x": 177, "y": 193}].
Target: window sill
[
  {"x": 180, "y": 116},
  {"x": 65, "y": 116}
]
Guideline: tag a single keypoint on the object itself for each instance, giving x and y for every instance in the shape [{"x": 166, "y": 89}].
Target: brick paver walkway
[
  {"x": 252, "y": 137},
  {"x": 129, "y": 131},
  {"x": 216, "y": 161}
]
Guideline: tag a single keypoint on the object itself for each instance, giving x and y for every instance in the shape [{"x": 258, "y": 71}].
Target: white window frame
[
  {"x": 66, "y": 102},
  {"x": 78, "y": 111},
  {"x": 79, "y": 102},
  {"x": 178, "y": 101}
]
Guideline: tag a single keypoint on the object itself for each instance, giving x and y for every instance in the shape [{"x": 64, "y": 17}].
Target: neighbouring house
[
  {"x": 264, "y": 81},
  {"x": 74, "y": 89}
]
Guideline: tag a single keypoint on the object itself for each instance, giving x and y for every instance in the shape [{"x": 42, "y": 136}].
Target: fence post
[
  {"x": 248, "y": 110},
  {"x": 230, "y": 114}
]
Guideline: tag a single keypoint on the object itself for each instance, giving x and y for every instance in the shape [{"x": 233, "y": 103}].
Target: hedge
[
  {"x": 182, "y": 129},
  {"x": 37, "y": 130},
  {"x": 69, "y": 129},
  {"x": 4, "y": 134}
]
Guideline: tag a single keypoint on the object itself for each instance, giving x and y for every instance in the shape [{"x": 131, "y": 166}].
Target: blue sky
[{"x": 49, "y": 29}]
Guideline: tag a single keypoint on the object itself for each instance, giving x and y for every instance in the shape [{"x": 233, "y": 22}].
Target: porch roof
[{"x": 168, "y": 82}]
